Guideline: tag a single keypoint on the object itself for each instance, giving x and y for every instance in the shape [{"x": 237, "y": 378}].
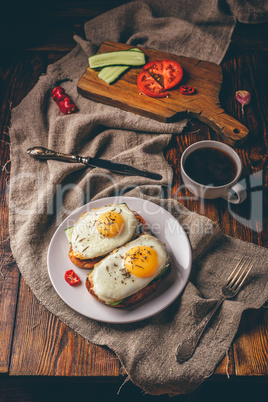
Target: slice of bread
[{"x": 88, "y": 264}]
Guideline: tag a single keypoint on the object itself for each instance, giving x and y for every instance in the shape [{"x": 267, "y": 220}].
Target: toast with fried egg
[
  {"x": 99, "y": 231},
  {"x": 130, "y": 273}
]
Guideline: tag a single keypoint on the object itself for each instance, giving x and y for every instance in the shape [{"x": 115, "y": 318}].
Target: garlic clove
[{"x": 243, "y": 97}]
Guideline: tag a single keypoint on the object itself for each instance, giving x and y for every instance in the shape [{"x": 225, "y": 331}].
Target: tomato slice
[
  {"x": 172, "y": 73},
  {"x": 71, "y": 278},
  {"x": 154, "y": 67},
  {"x": 169, "y": 70},
  {"x": 149, "y": 86}
]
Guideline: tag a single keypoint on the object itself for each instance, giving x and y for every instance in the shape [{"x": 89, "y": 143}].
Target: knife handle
[{"x": 44, "y": 153}]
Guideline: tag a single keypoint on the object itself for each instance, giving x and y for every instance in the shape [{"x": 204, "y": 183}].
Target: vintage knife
[{"x": 44, "y": 153}]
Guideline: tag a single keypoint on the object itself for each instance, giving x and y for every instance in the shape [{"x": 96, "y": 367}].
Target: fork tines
[{"x": 239, "y": 274}]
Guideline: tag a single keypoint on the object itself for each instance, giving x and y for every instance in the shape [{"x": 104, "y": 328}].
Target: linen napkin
[{"x": 42, "y": 194}]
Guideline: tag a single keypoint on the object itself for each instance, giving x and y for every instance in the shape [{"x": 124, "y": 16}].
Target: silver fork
[{"x": 230, "y": 288}]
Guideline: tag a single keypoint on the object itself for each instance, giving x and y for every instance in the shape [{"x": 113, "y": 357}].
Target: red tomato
[
  {"x": 154, "y": 67},
  {"x": 149, "y": 86},
  {"x": 170, "y": 71},
  {"x": 71, "y": 278}
]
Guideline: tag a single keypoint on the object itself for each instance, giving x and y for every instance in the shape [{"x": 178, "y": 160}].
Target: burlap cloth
[{"x": 42, "y": 194}]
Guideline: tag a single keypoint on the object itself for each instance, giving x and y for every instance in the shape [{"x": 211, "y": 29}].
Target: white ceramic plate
[{"x": 163, "y": 225}]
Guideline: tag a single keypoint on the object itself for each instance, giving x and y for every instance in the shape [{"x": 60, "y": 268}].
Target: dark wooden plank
[
  {"x": 247, "y": 37},
  {"x": 9, "y": 280},
  {"x": 9, "y": 274},
  {"x": 251, "y": 346},
  {"x": 43, "y": 345}
]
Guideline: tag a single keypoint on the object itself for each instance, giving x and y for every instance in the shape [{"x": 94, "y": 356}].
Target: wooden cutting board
[{"x": 204, "y": 105}]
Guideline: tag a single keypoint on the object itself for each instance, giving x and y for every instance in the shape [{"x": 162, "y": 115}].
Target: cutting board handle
[{"x": 233, "y": 132}]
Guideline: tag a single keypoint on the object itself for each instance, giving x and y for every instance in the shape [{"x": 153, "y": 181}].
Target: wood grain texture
[
  {"x": 9, "y": 282},
  {"x": 204, "y": 76},
  {"x": 42, "y": 345},
  {"x": 9, "y": 274}
]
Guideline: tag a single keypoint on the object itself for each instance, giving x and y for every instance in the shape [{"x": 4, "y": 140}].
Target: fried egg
[
  {"x": 129, "y": 269},
  {"x": 101, "y": 230}
]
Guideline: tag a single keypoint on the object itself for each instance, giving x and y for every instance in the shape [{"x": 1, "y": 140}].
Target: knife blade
[{"x": 44, "y": 154}]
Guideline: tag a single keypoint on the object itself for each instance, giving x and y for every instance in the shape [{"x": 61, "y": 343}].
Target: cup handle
[{"x": 239, "y": 196}]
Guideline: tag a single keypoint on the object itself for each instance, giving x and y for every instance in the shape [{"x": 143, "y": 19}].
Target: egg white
[
  {"x": 110, "y": 281},
  {"x": 87, "y": 242}
]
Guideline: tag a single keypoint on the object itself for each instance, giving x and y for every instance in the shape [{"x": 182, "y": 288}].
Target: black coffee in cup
[{"x": 210, "y": 166}]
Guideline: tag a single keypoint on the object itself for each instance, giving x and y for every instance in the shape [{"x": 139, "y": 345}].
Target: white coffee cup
[{"x": 232, "y": 192}]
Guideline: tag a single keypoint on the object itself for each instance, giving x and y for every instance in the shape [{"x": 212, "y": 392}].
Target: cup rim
[{"x": 215, "y": 143}]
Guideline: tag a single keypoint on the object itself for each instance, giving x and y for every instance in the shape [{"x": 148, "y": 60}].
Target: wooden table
[{"x": 33, "y": 342}]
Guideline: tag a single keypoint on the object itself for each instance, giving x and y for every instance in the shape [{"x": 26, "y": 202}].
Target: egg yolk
[
  {"x": 141, "y": 261},
  {"x": 110, "y": 224}
]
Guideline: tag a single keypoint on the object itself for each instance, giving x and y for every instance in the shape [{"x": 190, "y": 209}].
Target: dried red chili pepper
[
  {"x": 63, "y": 101},
  {"x": 58, "y": 94},
  {"x": 71, "y": 278},
  {"x": 187, "y": 90}
]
